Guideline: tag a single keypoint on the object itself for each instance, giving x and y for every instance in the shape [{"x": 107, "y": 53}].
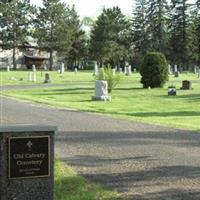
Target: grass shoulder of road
[
  {"x": 129, "y": 100},
  {"x": 70, "y": 186}
]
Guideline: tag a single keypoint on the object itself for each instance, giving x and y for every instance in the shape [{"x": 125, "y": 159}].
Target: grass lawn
[
  {"x": 129, "y": 100},
  {"x": 69, "y": 186}
]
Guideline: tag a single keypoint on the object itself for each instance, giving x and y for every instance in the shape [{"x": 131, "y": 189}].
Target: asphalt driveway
[{"x": 143, "y": 162}]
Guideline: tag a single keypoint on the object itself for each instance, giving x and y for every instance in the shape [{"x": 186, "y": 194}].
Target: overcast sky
[{"x": 93, "y": 8}]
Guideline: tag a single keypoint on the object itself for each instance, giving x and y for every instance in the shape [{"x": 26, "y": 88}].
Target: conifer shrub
[{"x": 154, "y": 70}]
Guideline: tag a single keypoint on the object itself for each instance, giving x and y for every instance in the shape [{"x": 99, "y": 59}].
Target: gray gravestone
[
  {"x": 27, "y": 162},
  {"x": 47, "y": 78},
  {"x": 186, "y": 85},
  {"x": 172, "y": 91}
]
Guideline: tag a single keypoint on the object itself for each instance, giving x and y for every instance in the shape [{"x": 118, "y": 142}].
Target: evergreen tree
[
  {"x": 51, "y": 27},
  {"x": 157, "y": 16},
  {"x": 197, "y": 23},
  {"x": 78, "y": 48},
  {"x": 15, "y": 24},
  {"x": 110, "y": 37},
  {"x": 180, "y": 52},
  {"x": 139, "y": 31}
]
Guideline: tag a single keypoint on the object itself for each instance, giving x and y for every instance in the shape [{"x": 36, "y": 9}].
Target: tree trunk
[
  {"x": 14, "y": 58},
  {"x": 51, "y": 60}
]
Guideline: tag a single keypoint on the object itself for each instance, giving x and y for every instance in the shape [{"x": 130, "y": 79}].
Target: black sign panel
[{"x": 28, "y": 157}]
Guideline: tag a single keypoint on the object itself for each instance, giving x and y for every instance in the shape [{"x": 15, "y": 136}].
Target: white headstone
[
  {"x": 114, "y": 71},
  {"x": 30, "y": 76},
  {"x": 135, "y": 70},
  {"x": 8, "y": 68},
  {"x": 175, "y": 68},
  {"x": 199, "y": 73},
  {"x": 33, "y": 68},
  {"x": 101, "y": 91},
  {"x": 195, "y": 69},
  {"x": 120, "y": 70},
  {"x": 62, "y": 70},
  {"x": 75, "y": 70},
  {"x": 34, "y": 77},
  {"x": 96, "y": 70},
  {"x": 125, "y": 70},
  {"x": 169, "y": 69}
]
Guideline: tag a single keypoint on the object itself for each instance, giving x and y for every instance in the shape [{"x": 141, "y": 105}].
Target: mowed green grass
[
  {"x": 129, "y": 99},
  {"x": 69, "y": 186}
]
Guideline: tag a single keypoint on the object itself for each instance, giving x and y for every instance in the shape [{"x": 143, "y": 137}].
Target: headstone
[
  {"x": 34, "y": 76},
  {"x": 27, "y": 162},
  {"x": 62, "y": 68},
  {"x": 114, "y": 71},
  {"x": 195, "y": 70},
  {"x": 175, "y": 68},
  {"x": 169, "y": 69},
  {"x": 172, "y": 91},
  {"x": 33, "y": 68},
  {"x": 47, "y": 78},
  {"x": 199, "y": 73},
  {"x": 96, "y": 70},
  {"x": 101, "y": 91},
  {"x": 186, "y": 85},
  {"x": 125, "y": 70},
  {"x": 8, "y": 68},
  {"x": 30, "y": 76},
  {"x": 128, "y": 70},
  {"x": 75, "y": 70},
  {"x": 135, "y": 70},
  {"x": 176, "y": 74},
  {"x": 120, "y": 70}
]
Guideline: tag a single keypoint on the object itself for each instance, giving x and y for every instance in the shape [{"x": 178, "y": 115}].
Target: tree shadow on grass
[
  {"x": 186, "y": 97},
  {"x": 170, "y": 194},
  {"x": 165, "y": 114},
  {"x": 77, "y": 188}
]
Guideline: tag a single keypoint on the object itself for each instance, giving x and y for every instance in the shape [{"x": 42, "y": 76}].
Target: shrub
[
  {"x": 107, "y": 75},
  {"x": 154, "y": 70}
]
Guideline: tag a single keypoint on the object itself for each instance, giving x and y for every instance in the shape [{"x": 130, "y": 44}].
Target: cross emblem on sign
[{"x": 29, "y": 144}]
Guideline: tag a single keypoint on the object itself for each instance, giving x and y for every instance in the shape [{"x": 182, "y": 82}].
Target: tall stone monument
[{"x": 27, "y": 162}]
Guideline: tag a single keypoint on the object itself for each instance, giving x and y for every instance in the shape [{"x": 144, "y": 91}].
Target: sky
[{"x": 93, "y": 8}]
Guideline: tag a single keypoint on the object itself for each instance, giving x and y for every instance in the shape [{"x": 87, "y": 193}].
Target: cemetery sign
[{"x": 28, "y": 157}]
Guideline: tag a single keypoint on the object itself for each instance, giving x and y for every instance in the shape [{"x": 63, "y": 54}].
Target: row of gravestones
[
  {"x": 127, "y": 70},
  {"x": 176, "y": 72}
]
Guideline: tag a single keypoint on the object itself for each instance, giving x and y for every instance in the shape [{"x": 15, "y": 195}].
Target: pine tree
[
  {"x": 179, "y": 34},
  {"x": 51, "y": 20},
  {"x": 15, "y": 24},
  {"x": 109, "y": 37},
  {"x": 78, "y": 47},
  {"x": 157, "y": 17},
  {"x": 198, "y": 31},
  {"x": 139, "y": 31}
]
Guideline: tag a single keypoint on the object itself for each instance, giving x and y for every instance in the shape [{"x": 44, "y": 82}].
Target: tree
[
  {"x": 197, "y": 30},
  {"x": 157, "y": 16},
  {"x": 180, "y": 51},
  {"x": 110, "y": 37},
  {"x": 154, "y": 70},
  {"x": 78, "y": 47},
  {"x": 52, "y": 27},
  {"x": 15, "y": 24},
  {"x": 139, "y": 31}
]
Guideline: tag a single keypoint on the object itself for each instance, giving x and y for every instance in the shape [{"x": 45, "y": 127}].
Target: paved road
[{"x": 141, "y": 161}]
